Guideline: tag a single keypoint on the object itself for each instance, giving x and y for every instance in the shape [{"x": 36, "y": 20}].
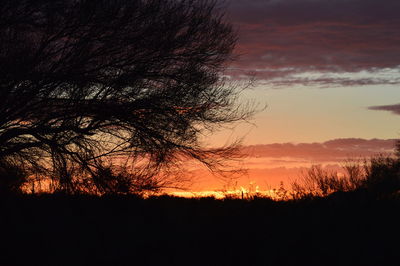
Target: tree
[
  {"x": 397, "y": 149},
  {"x": 81, "y": 80}
]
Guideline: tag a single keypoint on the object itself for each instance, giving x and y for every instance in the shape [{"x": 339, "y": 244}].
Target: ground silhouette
[{"x": 349, "y": 228}]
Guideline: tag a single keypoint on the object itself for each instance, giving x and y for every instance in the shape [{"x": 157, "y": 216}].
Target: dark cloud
[
  {"x": 394, "y": 108},
  {"x": 333, "y": 150},
  {"x": 286, "y": 42}
]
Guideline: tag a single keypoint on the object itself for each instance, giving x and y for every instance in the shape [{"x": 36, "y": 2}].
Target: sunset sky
[{"x": 329, "y": 72}]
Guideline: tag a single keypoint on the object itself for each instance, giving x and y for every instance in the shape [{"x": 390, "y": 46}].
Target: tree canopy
[{"x": 81, "y": 80}]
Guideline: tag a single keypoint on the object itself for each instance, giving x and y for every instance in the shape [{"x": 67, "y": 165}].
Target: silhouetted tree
[
  {"x": 84, "y": 79},
  {"x": 397, "y": 149},
  {"x": 383, "y": 176}
]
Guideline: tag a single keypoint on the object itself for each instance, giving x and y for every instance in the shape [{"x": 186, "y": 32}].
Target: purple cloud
[
  {"x": 394, "y": 108},
  {"x": 334, "y": 150},
  {"x": 312, "y": 42}
]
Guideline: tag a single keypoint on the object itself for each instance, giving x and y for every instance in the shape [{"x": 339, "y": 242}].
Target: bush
[
  {"x": 12, "y": 177},
  {"x": 318, "y": 182},
  {"x": 382, "y": 176},
  {"x": 378, "y": 176}
]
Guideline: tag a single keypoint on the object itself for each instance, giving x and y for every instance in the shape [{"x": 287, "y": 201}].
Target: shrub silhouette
[
  {"x": 111, "y": 179},
  {"x": 318, "y": 182},
  {"x": 379, "y": 177},
  {"x": 382, "y": 176},
  {"x": 12, "y": 178}
]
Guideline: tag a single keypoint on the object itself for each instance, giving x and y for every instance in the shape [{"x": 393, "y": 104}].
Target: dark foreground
[{"x": 346, "y": 229}]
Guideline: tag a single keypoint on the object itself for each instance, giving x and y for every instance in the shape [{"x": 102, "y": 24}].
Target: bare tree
[{"x": 85, "y": 79}]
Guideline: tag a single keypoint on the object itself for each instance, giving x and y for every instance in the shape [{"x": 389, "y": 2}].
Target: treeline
[{"x": 378, "y": 176}]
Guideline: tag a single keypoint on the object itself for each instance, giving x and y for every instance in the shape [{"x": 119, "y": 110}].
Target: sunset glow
[
  {"x": 199, "y": 132},
  {"x": 329, "y": 74}
]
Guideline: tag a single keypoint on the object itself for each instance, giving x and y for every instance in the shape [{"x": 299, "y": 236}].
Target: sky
[{"x": 328, "y": 71}]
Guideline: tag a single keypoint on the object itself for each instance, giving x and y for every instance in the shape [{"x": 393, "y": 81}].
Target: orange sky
[
  {"x": 329, "y": 72},
  {"x": 269, "y": 164}
]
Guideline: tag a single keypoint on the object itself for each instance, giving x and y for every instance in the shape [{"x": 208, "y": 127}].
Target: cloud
[
  {"x": 270, "y": 164},
  {"x": 394, "y": 108},
  {"x": 311, "y": 42},
  {"x": 336, "y": 150}
]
